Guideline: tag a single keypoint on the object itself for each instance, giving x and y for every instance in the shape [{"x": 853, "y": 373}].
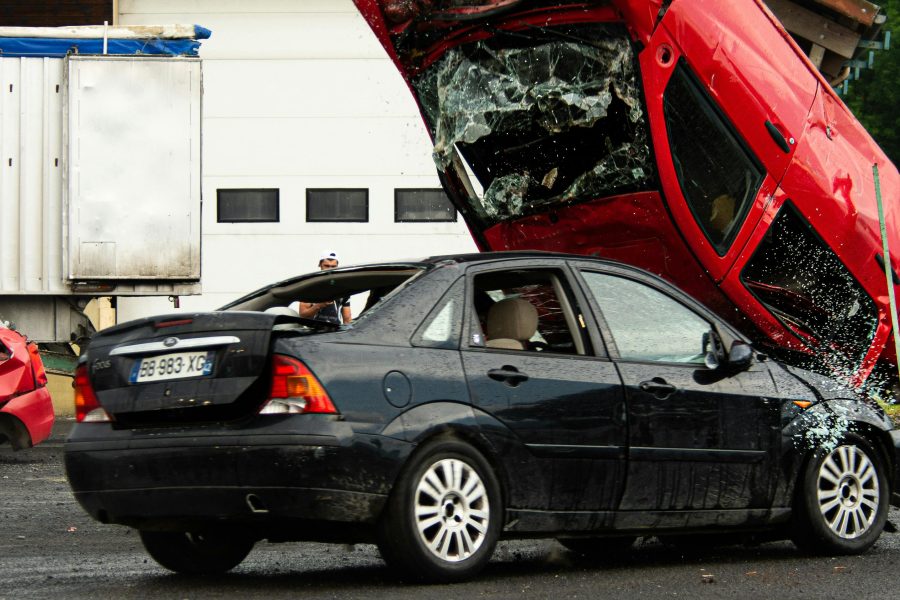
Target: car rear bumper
[
  {"x": 264, "y": 478},
  {"x": 34, "y": 410}
]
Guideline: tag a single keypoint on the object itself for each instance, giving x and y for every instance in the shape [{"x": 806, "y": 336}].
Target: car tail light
[
  {"x": 87, "y": 407},
  {"x": 295, "y": 390},
  {"x": 37, "y": 366}
]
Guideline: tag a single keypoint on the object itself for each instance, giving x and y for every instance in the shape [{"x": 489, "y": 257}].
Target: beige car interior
[{"x": 511, "y": 323}]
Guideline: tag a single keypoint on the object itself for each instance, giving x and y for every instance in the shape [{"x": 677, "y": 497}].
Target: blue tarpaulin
[{"x": 60, "y": 47}]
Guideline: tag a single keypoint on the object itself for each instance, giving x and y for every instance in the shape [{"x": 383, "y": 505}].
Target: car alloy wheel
[
  {"x": 842, "y": 504},
  {"x": 452, "y": 510},
  {"x": 848, "y": 492},
  {"x": 444, "y": 514}
]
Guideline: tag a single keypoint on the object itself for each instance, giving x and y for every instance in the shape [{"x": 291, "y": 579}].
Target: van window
[
  {"x": 718, "y": 176},
  {"x": 802, "y": 282}
]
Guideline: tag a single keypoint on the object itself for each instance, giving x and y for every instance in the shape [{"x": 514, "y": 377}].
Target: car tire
[
  {"x": 599, "y": 547},
  {"x": 193, "y": 553},
  {"x": 842, "y": 504},
  {"x": 443, "y": 516}
]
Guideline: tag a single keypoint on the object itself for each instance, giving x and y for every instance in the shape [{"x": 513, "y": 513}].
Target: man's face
[{"x": 328, "y": 263}]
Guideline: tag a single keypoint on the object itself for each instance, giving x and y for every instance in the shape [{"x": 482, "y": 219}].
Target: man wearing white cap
[{"x": 335, "y": 311}]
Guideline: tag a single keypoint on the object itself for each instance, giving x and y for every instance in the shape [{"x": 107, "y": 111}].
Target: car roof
[{"x": 511, "y": 254}]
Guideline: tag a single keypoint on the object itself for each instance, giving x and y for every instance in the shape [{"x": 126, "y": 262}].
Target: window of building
[
  {"x": 717, "y": 174},
  {"x": 421, "y": 205},
  {"x": 347, "y": 205},
  {"x": 247, "y": 205}
]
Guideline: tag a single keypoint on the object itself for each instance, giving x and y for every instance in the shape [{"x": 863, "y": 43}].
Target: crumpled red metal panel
[
  {"x": 23, "y": 390},
  {"x": 15, "y": 372},
  {"x": 641, "y": 16}
]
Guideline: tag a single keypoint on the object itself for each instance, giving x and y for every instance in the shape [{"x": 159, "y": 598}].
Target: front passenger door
[{"x": 698, "y": 439}]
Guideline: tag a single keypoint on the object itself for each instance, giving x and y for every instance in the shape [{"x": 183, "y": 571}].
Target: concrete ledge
[{"x": 62, "y": 395}]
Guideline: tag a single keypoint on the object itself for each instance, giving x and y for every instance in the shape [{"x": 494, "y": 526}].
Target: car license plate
[{"x": 172, "y": 366}]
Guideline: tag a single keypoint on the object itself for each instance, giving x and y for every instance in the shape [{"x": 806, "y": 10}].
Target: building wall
[
  {"x": 55, "y": 13},
  {"x": 298, "y": 94}
]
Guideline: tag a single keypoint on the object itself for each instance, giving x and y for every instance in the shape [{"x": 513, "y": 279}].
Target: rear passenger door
[{"x": 560, "y": 405}]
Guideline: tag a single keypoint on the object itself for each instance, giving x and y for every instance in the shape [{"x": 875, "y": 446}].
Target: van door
[{"x": 727, "y": 98}]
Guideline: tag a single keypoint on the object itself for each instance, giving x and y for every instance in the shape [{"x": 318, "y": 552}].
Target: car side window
[
  {"x": 524, "y": 309},
  {"x": 441, "y": 327},
  {"x": 646, "y": 324},
  {"x": 716, "y": 172},
  {"x": 795, "y": 275}
]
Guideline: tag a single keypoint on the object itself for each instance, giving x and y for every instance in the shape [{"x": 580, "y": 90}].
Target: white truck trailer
[{"x": 99, "y": 170}]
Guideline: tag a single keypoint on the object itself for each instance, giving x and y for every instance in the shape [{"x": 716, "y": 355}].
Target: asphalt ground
[{"x": 49, "y": 548}]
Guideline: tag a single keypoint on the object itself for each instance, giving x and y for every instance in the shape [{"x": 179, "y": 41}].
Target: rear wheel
[
  {"x": 195, "y": 553},
  {"x": 443, "y": 518},
  {"x": 843, "y": 501}
]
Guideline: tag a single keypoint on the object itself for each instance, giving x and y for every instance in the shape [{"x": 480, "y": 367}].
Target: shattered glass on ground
[{"x": 558, "y": 119}]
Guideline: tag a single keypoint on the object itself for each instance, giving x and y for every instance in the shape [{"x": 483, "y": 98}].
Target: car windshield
[{"x": 539, "y": 117}]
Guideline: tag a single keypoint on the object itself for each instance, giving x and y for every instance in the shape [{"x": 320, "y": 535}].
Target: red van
[
  {"x": 26, "y": 411},
  {"x": 693, "y": 139}
]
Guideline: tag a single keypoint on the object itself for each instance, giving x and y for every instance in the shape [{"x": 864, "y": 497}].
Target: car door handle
[
  {"x": 508, "y": 375},
  {"x": 778, "y": 138},
  {"x": 658, "y": 387}
]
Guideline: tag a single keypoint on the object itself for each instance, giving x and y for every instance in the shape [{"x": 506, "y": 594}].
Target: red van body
[
  {"x": 26, "y": 411},
  {"x": 693, "y": 139}
]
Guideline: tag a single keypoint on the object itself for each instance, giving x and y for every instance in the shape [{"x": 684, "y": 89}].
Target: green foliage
[
  {"x": 875, "y": 97},
  {"x": 892, "y": 410}
]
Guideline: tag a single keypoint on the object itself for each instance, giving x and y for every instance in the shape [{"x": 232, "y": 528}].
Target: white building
[{"x": 311, "y": 142}]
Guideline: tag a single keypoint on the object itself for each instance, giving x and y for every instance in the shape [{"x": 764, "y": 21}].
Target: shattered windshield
[
  {"x": 541, "y": 117},
  {"x": 804, "y": 283}
]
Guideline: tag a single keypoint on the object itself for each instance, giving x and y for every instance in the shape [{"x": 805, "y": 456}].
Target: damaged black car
[{"x": 475, "y": 398}]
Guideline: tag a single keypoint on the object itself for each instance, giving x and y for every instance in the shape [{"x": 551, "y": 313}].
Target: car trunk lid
[{"x": 182, "y": 368}]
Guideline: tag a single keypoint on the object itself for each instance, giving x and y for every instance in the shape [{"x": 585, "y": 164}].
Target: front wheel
[
  {"x": 843, "y": 501},
  {"x": 194, "y": 553},
  {"x": 444, "y": 514}
]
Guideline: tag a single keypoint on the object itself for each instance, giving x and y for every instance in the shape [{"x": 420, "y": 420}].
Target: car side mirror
[{"x": 740, "y": 356}]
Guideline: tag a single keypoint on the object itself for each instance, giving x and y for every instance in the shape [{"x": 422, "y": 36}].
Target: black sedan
[{"x": 474, "y": 398}]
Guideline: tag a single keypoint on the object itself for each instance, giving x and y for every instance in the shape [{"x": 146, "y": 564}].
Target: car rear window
[{"x": 365, "y": 289}]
